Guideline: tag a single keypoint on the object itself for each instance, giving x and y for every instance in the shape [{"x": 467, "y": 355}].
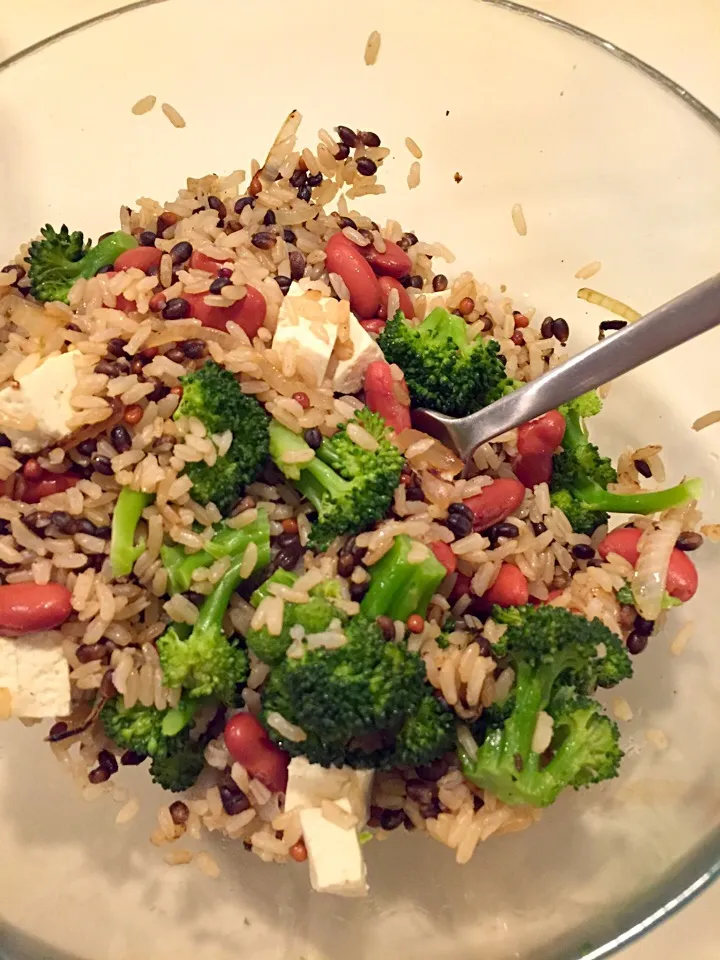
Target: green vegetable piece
[
  {"x": 227, "y": 542},
  {"x": 162, "y": 735},
  {"x": 399, "y": 588},
  {"x": 123, "y": 549},
  {"x": 365, "y": 704},
  {"x": 350, "y": 487},
  {"x": 581, "y": 475},
  {"x": 283, "y": 577},
  {"x": 213, "y": 396},
  {"x": 61, "y": 258},
  {"x": 559, "y": 660},
  {"x": 180, "y": 767},
  {"x": 443, "y": 369},
  {"x": 205, "y": 663},
  {"x": 315, "y": 616}
]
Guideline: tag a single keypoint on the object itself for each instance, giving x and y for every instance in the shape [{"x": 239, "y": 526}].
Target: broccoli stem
[
  {"x": 314, "y": 478},
  {"x": 651, "y": 501},
  {"x": 215, "y": 604},
  {"x": 533, "y": 690},
  {"x": 106, "y": 252},
  {"x": 283, "y": 577},
  {"x": 177, "y": 718},
  {"x": 317, "y": 478},
  {"x": 226, "y": 543},
  {"x": 399, "y": 588},
  {"x": 596, "y": 497},
  {"x": 123, "y": 550}
]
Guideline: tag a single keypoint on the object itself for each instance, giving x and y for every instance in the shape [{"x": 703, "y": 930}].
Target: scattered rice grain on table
[
  {"x": 372, "y": 48},
  {"x": 413, "y": 148},
  {"x": 518, "y": 219},
  {"x": 589, "y": 270},
  {"x": 144, "y": 105},
  {"x": 173, "y": 116}
]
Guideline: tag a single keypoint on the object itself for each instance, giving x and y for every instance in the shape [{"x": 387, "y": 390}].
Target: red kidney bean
[
  {"x": 249, "y": 313},
  {"x": 444, "y": 554},
  {"x": 158, "y": 302},
  {"x": 248, "y": 744},
  {"x": 393, "y": 262},
  {"x": 495, "y": 502},
  {"x": 200, "y": 261},
  {"x": 682, "y": 575},
  {"x": 510, "y": 588},
  {"x": 33, "y": 491},
  {"x": 346, "y": 259},
  {"x": 624, "y": 542},
  {"x": 536, "y": 443},
  {"x": 374, "y": 327},
  {"x": 29, "y": 607},
  {"x": 386, "y": 285},
  {"x": 141, "y": 257},
  {"x": 380, "y": 396},
  {"x": 543, "y": 435},
  {"x": 121, "y": 302},
  {"x": 461, "y": 587},
  {"x": 533, "y": 468}
]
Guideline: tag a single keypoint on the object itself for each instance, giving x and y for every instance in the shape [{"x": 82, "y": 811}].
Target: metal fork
[{"x": 694, "y": 312}]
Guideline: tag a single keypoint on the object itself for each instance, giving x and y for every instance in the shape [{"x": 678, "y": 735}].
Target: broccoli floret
[
  {"x": 203, "y": 660},
  {"x": 213, "y": 395},
  {"x": 596, "y": 657},
  {"x": 580, "y": 477},
  {"x": 443, "y": 369},
  {"x": 227, "y": 542},
  {"x": 586, "y": 405},
  {"x": 559, "y": 660},
  {"x": 145, "y": 730},
  {"x": 126, "y": 515},
  {"x": 425, "y": 735},
  {"x": 162, "y": 735},
  {"x": 350, "y": 487},
  {"x": 315, "y": 616},
  {"x": 399, "y": 588},
  {"x": 280, "y": 576},
  {"x": 59, "y": 259},
  {"x": 178, "y": 769},
  {"x": 364, "y": 704}
]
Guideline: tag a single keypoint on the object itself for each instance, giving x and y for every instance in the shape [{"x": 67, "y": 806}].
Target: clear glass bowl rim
[{"x": 700, "y": 869}]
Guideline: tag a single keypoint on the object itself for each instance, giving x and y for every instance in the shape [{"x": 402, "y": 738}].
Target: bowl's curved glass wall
[{"x": 608, "y": 166}]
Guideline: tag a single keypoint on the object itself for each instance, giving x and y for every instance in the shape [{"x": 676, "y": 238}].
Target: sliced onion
[
  {"x": 281, "y": 148},
  {"x": 439, "y": 457},
  {"x": 651, "y": 569},
  {"x": 609, "y": 303},
  {"x": 467, "y": 741},
  {"x": 436, "y": 490},
  {"x": 92, "y": 430}
]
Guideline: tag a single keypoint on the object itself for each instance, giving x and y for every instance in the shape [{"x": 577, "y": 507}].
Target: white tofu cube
[
  {"x": 334, "y": 854},
  {"x": 44, "y": 395},
  {"x": 309, "y": 784},
  {"x": 349, "y": 372},
  {"x": 308, "y": 327},
  {"x": 34, "y": 669}
]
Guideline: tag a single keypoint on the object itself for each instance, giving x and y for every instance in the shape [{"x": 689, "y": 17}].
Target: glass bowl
[{"x": 609, "y": 164}]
